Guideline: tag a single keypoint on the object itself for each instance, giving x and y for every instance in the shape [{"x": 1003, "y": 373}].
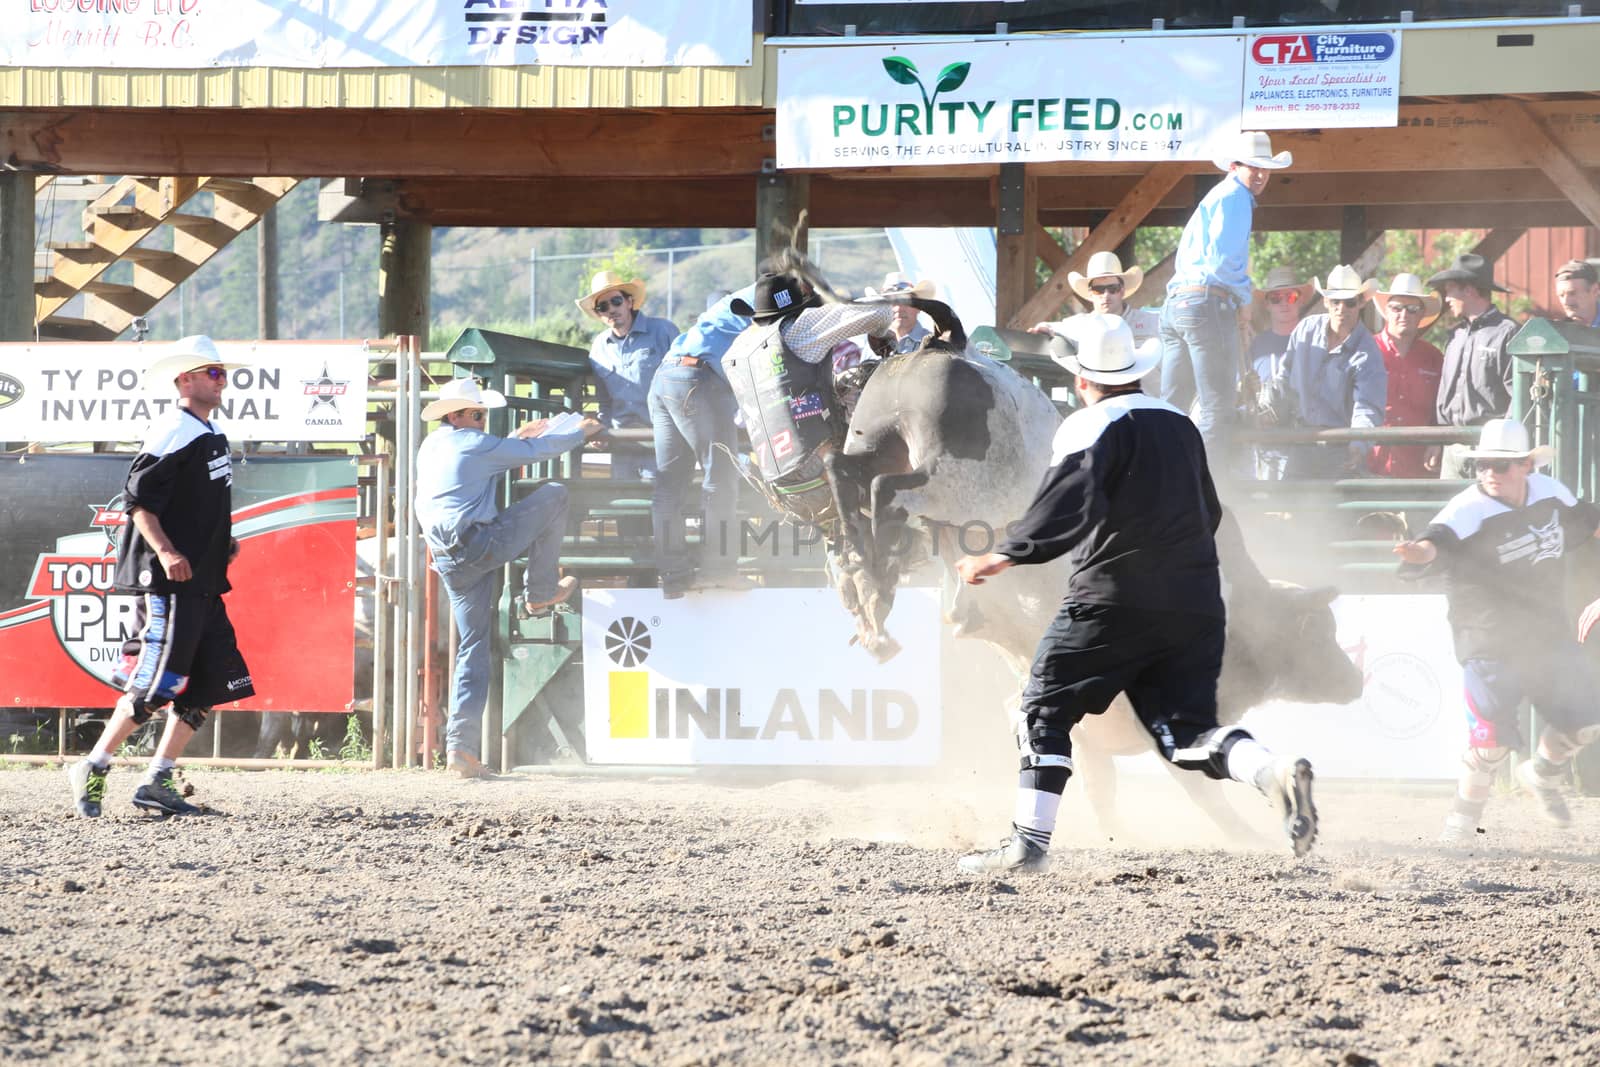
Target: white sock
[
  {"x": 157, "y": 765},
  {"x": 1246, "y": 760},
  {"x": 1036, "y": 811},
  {"x": 99, "y": 756}
]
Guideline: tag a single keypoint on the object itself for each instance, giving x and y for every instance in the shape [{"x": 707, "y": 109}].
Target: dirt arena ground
[{"x": 408, "y": 918}]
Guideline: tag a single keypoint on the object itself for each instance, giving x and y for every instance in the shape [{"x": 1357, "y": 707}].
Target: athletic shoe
[
  {"x": 1459, "y": 831},
  {"x": 88, "y": 787},
  {"x": 1016, "y": 853},
  {"x": 1289, "y": 788},
  {"x": 1547, "y": 791},
  {"x": 161, "y": 797}
]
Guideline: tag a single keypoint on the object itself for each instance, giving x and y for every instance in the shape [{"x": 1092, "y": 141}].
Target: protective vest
[{"x": 785, "y": 400}]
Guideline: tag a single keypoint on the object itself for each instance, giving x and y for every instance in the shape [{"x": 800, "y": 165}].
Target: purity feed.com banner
[
  {"x": 1010, "y": 101},
  {"x": 759, "y": 677},
  {"x": 187, "y": 34},
  {"x": 62, "y": 392}
]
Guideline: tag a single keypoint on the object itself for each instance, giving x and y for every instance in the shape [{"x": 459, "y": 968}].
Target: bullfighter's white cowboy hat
[
  {"x": 190, "y": 353},
  {"x": 895, "y": 282},
  {"x": 459, "y": 394},
  {"x": 1105, "y": 265},
  {"x": 609, "y": 281},
  {"x": 1106, "y": 352},
  {"x": 1345, "y": 284},
  {"x": 1254, "y": 149},
  {"x": 1411, "y": 285},
  {"x": 1508, "y": 439}
]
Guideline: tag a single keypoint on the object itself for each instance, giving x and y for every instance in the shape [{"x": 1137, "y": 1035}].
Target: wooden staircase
[{"x": 165, "y": 229}]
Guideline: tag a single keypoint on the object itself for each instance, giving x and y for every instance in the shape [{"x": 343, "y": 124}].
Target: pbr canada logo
[
  {"x": 324, "y": 391},
  {"x": 89, "y": 620}
]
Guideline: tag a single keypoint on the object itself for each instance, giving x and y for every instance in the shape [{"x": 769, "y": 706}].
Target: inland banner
[{"x": 293, "y": 599}]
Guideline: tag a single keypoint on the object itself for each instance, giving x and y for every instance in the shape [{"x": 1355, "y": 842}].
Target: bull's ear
[{"x": 1324, "y": 595}]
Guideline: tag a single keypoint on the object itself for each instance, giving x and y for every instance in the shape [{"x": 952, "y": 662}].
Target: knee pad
[
  {"x": 143, "y": 709},
  {"x": 193, "y": 718},
  {"x": 1478, "y": 769},
  {"x": 1207, "y": 753}
]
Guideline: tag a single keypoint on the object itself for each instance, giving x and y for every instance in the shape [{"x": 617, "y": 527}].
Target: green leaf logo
[
  {"x": 951, "y": 77},
  {"x": 905, "y": 72},
  {"x": 902, "y": 70}
]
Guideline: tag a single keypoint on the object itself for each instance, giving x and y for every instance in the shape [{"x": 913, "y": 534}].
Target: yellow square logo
[{"x": 630, "y": 704}]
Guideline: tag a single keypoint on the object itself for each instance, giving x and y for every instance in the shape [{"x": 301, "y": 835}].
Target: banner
[
  {"x": 190, "y": 34},
  {"x": 96, "y": 392},
  {"x": 293, "y": 599},
  {"x": 1008, "y": 101},
  {"x": 1297, "y": 81},
  {"x": 758, "y": 677}
]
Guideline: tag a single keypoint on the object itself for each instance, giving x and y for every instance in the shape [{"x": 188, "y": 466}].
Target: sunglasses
[
  {"x": 1344, "y": 301},
  {"x": 1291, "y": 297},
  {"x": 601, "y": 306},
  {"x": 1498, "y": 466},
  {"x": 1405, "y": 309},
  {"x": 1114, "y": 287},
  {"x": 216, "y": 374}
]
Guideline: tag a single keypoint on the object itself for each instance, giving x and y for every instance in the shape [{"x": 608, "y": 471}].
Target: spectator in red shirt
[{"x": 1414, "y": 365}]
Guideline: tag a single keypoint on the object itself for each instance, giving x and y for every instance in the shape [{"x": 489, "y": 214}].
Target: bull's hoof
[{"x": 885, "y": 649}]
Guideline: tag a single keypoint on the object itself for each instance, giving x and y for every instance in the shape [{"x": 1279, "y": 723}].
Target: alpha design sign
[{"x": 64, "y": 392}]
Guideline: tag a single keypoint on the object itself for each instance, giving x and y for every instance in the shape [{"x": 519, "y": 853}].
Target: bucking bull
[{"x": 943, "y": 448}]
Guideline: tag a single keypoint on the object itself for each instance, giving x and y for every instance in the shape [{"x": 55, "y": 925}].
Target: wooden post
[
  {"x": 16, "y": 255},
  {"x": 779, "y": 200},
  {"x": 1016, "y": 240},
  {"x": 267, "y": 275},
  {"x": 1353, "y": 235},
  {"x": 404, "y": 268}
]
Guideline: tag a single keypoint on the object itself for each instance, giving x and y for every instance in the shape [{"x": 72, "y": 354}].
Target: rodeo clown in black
[
  {"x": 174, "y": 552},
  {"x": 1503, "y": 546}
]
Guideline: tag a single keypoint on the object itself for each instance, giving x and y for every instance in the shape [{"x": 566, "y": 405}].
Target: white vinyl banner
[
  {"x": 1410, "y": 722},
  {"x": 1322, "y": 80},
  {"x": 1008, "y": 101},
  {"x": 63, "y": 392},
  {"x": 758, "y": 677},
  {"x": 186, "y": 34}
]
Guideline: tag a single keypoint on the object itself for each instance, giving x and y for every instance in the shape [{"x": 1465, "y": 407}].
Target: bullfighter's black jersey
[
  {"x": 184, "y": 477},
  {"x": 1506, "y": 568},
  {"x": 1129, "y": 497}
]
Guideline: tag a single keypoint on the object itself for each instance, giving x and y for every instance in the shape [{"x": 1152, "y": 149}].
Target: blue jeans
[
  {"x": 533, "y": 526},
  {"x": 1200, "y": 361},
  {"x": 693, "y": 409}
]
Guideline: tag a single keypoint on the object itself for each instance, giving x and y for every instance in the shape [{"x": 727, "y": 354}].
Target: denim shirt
[
  {"x": 1347, "y": 385},
  {"x": 623, "y": 367},
  {"x": 714, "y": 332},
  {"x": 458, "y": 477},
  {"x": 1215, "y": 246}
]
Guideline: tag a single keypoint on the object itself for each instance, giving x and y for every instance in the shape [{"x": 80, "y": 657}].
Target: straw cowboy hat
[
  {"x": 190, "y": 353},
  {"x": 895, "y": 282},
  {"x": 1106, "y": 352},
  {"x": 1508, "y": 439},
  {"x": 1280, "y": 278},
  {"x": 1105, "y": 265},
  {"x": 609, "y": 281},
  {"x": 1411, "y": 285},
  {"x": 461, "y": 394},
  {"x": 1344, "y": 283},
  {"x": 1254, "y": 149}
]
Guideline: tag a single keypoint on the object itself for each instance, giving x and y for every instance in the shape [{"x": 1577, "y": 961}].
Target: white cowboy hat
[
  {"x": 1508, "y": 439},
  {"x": 609, "y": 281},
  {"x": 1106, "y": 352},
  {"x": 1254, "y": 149},
  {"x": 895, "y": 282},
  {"x": 1411, "y": 285},
  {"x": 1345, "y": 284},
  {"x": 459, "y": 394},
  {"x": 1105, "y": 265},
  {"x": 190, "y": 353}
]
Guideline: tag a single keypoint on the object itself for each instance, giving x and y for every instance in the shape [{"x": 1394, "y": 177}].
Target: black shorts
[{"x": 185, "y": 650}]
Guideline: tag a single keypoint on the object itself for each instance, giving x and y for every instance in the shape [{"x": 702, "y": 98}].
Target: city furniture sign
[
  {"x": 1009, "y": 101},
  {"x": 1322, "y": 80},
  {"x": 759, "y": 677}
]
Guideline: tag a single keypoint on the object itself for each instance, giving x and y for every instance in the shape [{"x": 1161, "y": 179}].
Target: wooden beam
[
  {"x": 1497, "y": 242},
  {"x": 1154, "y": 286},
  {"x": 1049, "y": 249},
  {"x": 404, "y": 269},
  {"x": 17, "y": 243},
  {"x": 1122, "y": 221},
  {"x": 780, "y": 201},
  {"x": 1016, "y": 250},
  {"x": 1527, "y": 130}
]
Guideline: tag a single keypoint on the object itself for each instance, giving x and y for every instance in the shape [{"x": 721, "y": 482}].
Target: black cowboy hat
[
  {"x": 1471, "y": 268},
  {"x": 777, "y": 295}
]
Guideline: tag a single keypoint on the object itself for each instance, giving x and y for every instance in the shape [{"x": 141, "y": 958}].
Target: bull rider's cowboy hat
[
  {"x": 895, "y": 282},
  {"x": 1283, "y": 277},
  {"x": 460, "y": 394},
  {"x": 1105, "y": 265},
  {"x": 180, "y": 357},
  {"x": 1345, "y": 284},
  {"x": 1508, "y": 439},
  {"x": 609, "y": 281},
  {"x": 1105, "y": 350},
  {"x": 1254, "y": 149},
  {"x": 776, "y": 296},
  {"x": 1411, "y": 285},
  {"x": 1471, "y": 268}
]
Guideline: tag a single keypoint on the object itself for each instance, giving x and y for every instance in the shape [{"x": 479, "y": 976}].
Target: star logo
[{"x": 324, "y": 390}]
